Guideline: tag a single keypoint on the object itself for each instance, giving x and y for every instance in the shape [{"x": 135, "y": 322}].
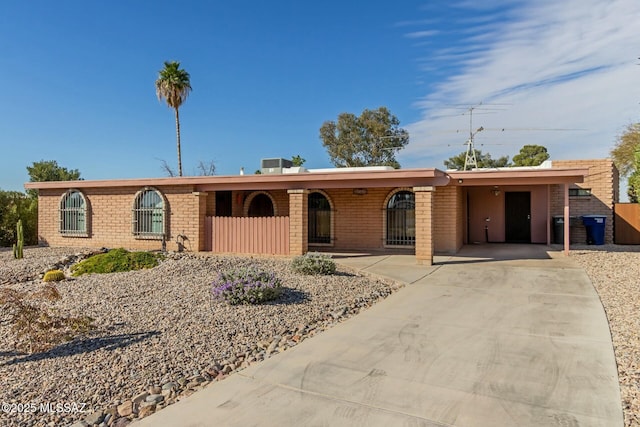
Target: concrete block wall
[
  {"x": 298, "y": 221},
  {"x": 109, "y": 218},
  {"x": 240, "y": 201},
  {"x": 448, "y": 219},
  {"x": 424, "y": 197},
  {"x": 603, "y": 180},
  {"x": 358, "y": 218},
  {"x": 211, "y": 203}
]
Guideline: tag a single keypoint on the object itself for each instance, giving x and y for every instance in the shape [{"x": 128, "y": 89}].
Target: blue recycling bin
[{"x": 595, "y": 228}]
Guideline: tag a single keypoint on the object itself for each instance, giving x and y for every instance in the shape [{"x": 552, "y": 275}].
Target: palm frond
[{"x": 173, "y": 84}]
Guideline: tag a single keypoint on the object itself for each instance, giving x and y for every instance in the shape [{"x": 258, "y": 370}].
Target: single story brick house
[{"x": 293, "y": 211}]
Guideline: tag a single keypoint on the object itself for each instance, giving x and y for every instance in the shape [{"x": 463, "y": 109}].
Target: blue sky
[{"x": 78, "y": 79}]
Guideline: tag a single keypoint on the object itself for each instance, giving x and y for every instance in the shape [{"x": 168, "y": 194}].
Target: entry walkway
[{"x": 503, "y": 335}]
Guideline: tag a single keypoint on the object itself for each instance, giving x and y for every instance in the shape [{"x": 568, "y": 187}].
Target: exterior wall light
[{"x": 496, "y": 191}]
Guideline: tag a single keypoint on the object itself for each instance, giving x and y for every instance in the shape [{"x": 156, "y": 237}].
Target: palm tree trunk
[{"x": 178, "y": 139}]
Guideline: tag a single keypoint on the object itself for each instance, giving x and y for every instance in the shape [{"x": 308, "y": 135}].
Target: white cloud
[
  {"x": 556, "y": 64},
  {"x": 421, "y": 34}
]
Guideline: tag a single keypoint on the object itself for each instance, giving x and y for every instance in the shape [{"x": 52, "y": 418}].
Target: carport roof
[{"x": 518, "y": 176}]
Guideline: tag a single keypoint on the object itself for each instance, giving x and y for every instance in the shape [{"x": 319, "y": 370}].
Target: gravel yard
[
  {"x": 615, "y": 273},
  {"x": 159, "y": 336}
]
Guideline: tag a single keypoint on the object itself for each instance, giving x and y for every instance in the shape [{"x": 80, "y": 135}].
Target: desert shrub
[
  {"x": 116, "y": 260},
  {"x": 53, "y": 276},
  {"x": 314, "y": 263},
  {"x": 248, "y": 285},
  {"x": 34, "y": 327}
]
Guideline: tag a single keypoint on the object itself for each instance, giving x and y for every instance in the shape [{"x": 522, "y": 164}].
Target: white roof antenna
[{"x": 470, "y": 159}]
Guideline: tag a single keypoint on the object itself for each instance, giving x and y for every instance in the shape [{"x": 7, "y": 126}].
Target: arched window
[
  {"x": 261, "y": 205},
  {"x": 73, "y": 214},
  {"x": 401, "y": 219},
  {"x": 149, "y": 214},
  {"x": 319, "y": 219}
]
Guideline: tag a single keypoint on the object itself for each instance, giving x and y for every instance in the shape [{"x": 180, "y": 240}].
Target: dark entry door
[{"x": 517, "y": 214}]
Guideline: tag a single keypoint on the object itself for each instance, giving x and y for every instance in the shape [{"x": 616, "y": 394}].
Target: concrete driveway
[{"x": 499, "y": 335}]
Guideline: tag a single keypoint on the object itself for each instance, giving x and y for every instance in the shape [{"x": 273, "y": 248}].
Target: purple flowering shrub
[{"x": 248, "y": 285}]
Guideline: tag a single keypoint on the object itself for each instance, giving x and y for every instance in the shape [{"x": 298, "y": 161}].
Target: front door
[{"x": 517, "y": 217}]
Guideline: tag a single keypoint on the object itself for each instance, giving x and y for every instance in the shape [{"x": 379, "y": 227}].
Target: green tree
[
  {"x": 14, "y": 206},
  {"x": 298, "y": 160},
  {"x": 372, "y": 139},
  {"x": 173, "y": 85},
  {"x": 531, "y": 155},
  {"x": 623, "y": 153},
  {"x": 484, "y": 161},
  {"x": 633, "y": 186},
  {"x": 49, "y": 170},
  {"x": 17, "y": 205}
]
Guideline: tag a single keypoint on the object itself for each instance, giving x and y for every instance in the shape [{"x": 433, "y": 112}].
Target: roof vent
[{"x": 272, "y": 166}]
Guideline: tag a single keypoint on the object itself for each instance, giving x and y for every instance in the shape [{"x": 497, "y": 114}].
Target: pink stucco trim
[
  {"x": 348, "y": 179},
  {"x": 518, "y": 177}
]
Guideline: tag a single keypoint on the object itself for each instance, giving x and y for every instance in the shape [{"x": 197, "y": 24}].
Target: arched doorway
[
  {"x": 261, "y": 205},
  {"x": 319, "y": 224},
  {"x": 401, "y": 219}
]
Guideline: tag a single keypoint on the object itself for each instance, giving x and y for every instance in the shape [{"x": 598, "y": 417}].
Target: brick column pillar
[
  {"x": 237, "y": 203},
  {"x": 424, "y": 224},
  {"x": 199, "y": 244},
  {"x": 298, "y": 222}
]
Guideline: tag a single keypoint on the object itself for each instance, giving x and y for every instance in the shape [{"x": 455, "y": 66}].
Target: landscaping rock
[
  {"x": 154, "y": 398},
  {"x": 147, "y": 410},
  {"x": 158, "y": 330},
  {"x": 125, "y": 409},
  {"x": 94, "y": 418}
]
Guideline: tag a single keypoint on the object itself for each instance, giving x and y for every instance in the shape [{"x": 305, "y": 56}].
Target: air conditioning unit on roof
[{"x": 272, "y": 166}]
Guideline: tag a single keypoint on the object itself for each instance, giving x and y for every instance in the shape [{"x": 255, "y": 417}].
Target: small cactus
[
  {"x": 18, "y": 247},
  {"x": 54, "y": 276}
]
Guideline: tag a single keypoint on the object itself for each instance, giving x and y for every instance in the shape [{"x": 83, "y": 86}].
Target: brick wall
[
  {"x": 211, "y": 203},
  {"x": 110, "y": 214},
  {"x": 203, "y": 199},
  {"x": 448, "y": 219},
  {"x": 281, "y": 200},
  {"x": 240, "y": 201},
  {"x": 603, "y": 181},
  {"x": 358, "y": 219},
  {"x": 298, "y": 221},
  {"x": 424, "y": 197}
]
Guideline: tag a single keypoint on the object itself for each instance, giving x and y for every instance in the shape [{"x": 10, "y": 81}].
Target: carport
[{"x": 514, "y": 205}]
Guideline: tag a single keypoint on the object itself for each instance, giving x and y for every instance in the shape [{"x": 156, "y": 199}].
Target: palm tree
[{"x": 173, "y": 86}]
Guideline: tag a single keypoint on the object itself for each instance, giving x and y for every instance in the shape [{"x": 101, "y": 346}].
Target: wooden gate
[
  {"x": 627, "y": 223},
  {"x": 244, "y": 235}
]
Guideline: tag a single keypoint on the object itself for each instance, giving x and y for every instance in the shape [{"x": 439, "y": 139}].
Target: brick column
[
  {"x": 298, "y": 221},
  {"x": 199, "y": 245},
  {"x": 211, "y": 204},
  {"x": 424, "y": 224}
]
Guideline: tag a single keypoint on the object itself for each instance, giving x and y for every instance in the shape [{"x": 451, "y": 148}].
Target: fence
[
  {"x": 243, "y": 235},
  {"x": 627, "y": 223}
]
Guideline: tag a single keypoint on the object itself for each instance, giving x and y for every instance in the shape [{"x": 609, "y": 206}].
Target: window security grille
[
  {"x": 73, "y": 214},
  {"x": 401, "y": 219},
  {"x": 148, "y": 215},
  {"x": 319, "y": 219}
]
